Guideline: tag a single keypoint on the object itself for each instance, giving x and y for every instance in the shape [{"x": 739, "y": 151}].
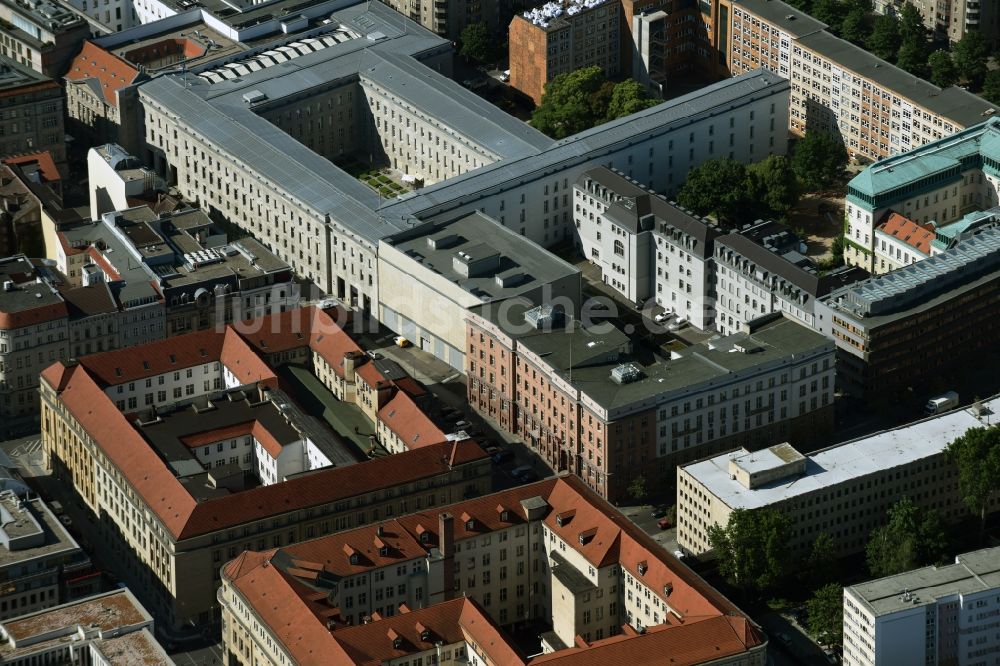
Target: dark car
[
  {"x": 659, "y": 511},
  {"x": 528, "y": 476},
  {"x": 502, "y": 457}
]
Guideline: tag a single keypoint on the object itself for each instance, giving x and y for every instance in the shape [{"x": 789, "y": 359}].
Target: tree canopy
[
  {"x": 752, "y": 548},
  {"x": 825, "y": 613},
  {"x": 819, "y": 160},
  {"x": 970, "y": 54},
  {"x": 943, "y": 70},
  {"x": 478, "y": 43},
  {"x": 579, "y": 100},
  {"x": 855, "y": 27},
  {"x": 737, "y": 194},
  {"x": 991, "y": 86},
  {"x": 912, "y": 537},
  {"x": 976, "y": 454},
  {"x": 822, "y": 566},
  {"x": 637, "y": 489},
  {"x": 774, "y": 186},
  {"x": 885, "y": 39}
]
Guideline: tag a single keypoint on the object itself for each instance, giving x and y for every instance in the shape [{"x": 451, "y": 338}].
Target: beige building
[
  {"x": 186, "y": 453},
  {"x": 455, "y": 579},
  {"x": 110, "y": 629},
  {"x": 878, "y": 109},
  {"x": 952, "y": 18},
  {"x": 844, "y": 490}
]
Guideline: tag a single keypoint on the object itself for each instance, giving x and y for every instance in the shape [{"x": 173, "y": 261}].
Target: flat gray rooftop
[
  {"x": 477, "y": 237},
  {"x": 26, "y": 293},
  {"x": 842, "y": 463},
  {"x": 57, "y": 540},
  {"x": 976, "y": 571},
  {"x": 586, "y": 357}
]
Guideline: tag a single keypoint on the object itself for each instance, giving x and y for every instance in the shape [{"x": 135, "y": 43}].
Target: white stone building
[{"x": 933, "y": 615}]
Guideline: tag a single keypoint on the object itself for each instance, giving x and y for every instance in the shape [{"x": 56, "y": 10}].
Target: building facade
[
  {"x": 843, "y": 491},
  {"x": 942, "y": 614},
  {"x": 647, "y": 248},
  {"x": 458, "y": 576},
  {"x": 952, "y": 19},
  {"x": 905, "y": 335},
  {"x": 127, "y": 430},
  {"x": 877, "y": 109},
  {"x": 562, "y": 37},
  {"x": 589, "y": 402},
  {"x": 31, "y": 119},
  {"x": 43, "y": 36}
]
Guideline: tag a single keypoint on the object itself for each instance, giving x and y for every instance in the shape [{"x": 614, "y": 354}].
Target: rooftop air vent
[{"x": 626, "y": 373}]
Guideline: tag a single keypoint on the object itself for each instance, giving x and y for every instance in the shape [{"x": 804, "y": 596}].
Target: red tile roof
[
  {"x": 155, "y": 358},
  {"x": 917, "y": 236},
  {"x": 44, "y": 161},
  {"x": 197, "y": 439},
  {"x": 709, "y": 628},
  {"x": 703, "y": 640},
  {"x": 170, "y": 501},
  {"x": 33, "y": 316},
  {"x": 403, "y": 417},
  {"x": 369, "y": 374},
  {"x": 109, "y": 71},
  {"x": 67, "y": 248},
  {"x": 243, "y": 363}
]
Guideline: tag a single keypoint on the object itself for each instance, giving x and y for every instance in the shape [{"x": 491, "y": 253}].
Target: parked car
[
  {"x": 664, "y": 523},
  {"x": 491, "y": 448},
  {"x": 505, "y": 75},
  {"x": 784, "y": 639},
  {"x": 462, "y": 424},
  {"x": 658, "y": 511},
  {"x": 502, "y": 456},
  {"x": 374, "y": 354},
  {"x": 680, "y": 554},
  {"x": 529, "y": 476},
  {"x": 400, "y": 341},
  {"x": 664, "y": 316},
  {"x": 519, "y": 472}
]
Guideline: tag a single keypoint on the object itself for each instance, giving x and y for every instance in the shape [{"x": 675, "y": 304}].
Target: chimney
[
  {"x": 446, "y": 544},
  {"x": 261, "y": 394}
]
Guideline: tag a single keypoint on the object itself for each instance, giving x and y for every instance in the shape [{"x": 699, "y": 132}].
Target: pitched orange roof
[
  {"x": 197, "y": 439},
  {"x": 44, "y": 161},
  {"x": 33, "y": 316},
  {"x": 243, "y": 363},
  {"x": 369, "y": 374},
  {"x": 110, "y": 72},
  {"x": 403, "y": 417},
  {"x": 177, "y": 509},
  {"x": 917, "y": 236},
  {"x": 155, "y": 358}
]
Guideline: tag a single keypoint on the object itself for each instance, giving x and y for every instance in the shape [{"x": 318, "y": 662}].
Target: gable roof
[
  {"x": 403, "y": 417},
  {"x": 917, "y": 236},
  {"x": 106, "y": 72}
]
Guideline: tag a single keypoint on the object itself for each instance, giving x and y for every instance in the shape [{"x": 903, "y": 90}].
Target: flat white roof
[{"x": 843, "y": 462}]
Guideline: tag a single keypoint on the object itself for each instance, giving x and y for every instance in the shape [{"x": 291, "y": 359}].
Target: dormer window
[
  {"x": 667, "y": 589},
  {"x": 642, "y": 568},
  {"x": 384, "y": 551},
  {"x": 470, "y": 524},
  {"x": 397, "y": 642},
  {"x": 425, "y": 537},
  {"x": 505, "y": 516},
  {"x": 353, "y": 558}
]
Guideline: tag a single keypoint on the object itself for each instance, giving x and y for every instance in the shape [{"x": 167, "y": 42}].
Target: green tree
[
  {"x": 752, "y": 548},
  {"x": 911, "y": 24},
  {"x": 822, "y": 566},
  {"x": 976, "y": 455},
  {"x": 825, "y": 611},
  {"x": 970, "y": 54},
  {"x": 478, "y": 43},
  {"x": 629, "y": 97},
  {"x": 885, "y": 39},
  {"x": 830, "y": 12},
  {"x": 991, "y": 86},
  {"x": 819, "y": 160},
  {"x": 854, "y": 27},
  {"x": 720, "y": 187},
  {"x": 774, "y": 185},
  {"x": 573, "y": 102},
  {"x": 637, "y": 489},
  {"x": 911, "y": 537},
  {"x": 802, "y": 5},
  {"x": 943, "y": 70},
  {"x": 912, "y": 57}
]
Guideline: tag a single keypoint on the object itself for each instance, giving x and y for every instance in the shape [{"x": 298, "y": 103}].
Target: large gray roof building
[{"x": 267, "y": 138}]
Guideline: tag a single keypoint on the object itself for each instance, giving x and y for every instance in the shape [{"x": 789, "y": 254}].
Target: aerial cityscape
[{"x": 534, "y": 333}]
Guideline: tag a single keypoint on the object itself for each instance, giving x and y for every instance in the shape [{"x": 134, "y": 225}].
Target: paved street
[{"x": 201, "y": 656}]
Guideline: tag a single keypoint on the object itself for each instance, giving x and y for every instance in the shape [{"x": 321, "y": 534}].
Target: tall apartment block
[
  {"x": 591, "y": 401},
  {"x": 944, "y": 614},
  {"x": 877, "y": 108},
  {"x": 952, "y": 19},
  {"x": 548, "y": 562},
  {"x": 43, "y": 36},
  {"x": 31, "y": 117},
  {"x": 186, "y": 452},
  {"x": 843, "y": 491}
]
